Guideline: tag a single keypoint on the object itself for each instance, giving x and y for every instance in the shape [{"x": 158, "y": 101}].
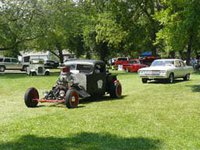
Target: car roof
[
  {"x": 9, "y": 57},
  {"x": 167, "y": 59},
  {"x": 83, "y": 61}
]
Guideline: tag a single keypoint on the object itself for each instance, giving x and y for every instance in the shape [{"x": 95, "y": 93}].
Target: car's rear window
[
  {"x": 122, "y": 59},
  {"x": 1, "y": 59}
]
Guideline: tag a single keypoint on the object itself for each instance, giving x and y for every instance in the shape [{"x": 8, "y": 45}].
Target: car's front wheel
[
  {"x": 72, "y": 99},
  {"x": 187, "y": 77},
  {"x": 116, "y": 90},
  {"x": 31, "y": 96},
  {"x": 144, "y": 80},
  {"x": 2, "y": 68},
  {"x": 171, "y": 78}
]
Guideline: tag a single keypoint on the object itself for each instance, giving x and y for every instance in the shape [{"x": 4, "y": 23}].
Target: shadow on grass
[
  {"x": 100, "y": 99},
  {"x": 195, "y": 88},
  {"x": 165, "y": 82},
  {"x": 83, "y": 141}
]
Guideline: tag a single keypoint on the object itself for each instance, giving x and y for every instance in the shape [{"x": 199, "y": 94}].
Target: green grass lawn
[{"x": 149, "y": 116}]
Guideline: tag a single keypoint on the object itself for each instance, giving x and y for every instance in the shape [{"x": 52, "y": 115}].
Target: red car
[
  {"x": 134, "y": 65},
  {"x": 120, "y": 61}
]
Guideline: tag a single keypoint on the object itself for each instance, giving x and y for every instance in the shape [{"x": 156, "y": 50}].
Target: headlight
[
  {"x": 142, "y": 72},
  {"x": 163, "y": 72}
]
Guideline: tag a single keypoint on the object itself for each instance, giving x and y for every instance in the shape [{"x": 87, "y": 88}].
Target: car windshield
[
  {"x": 134, "y": 62},
  {"x": 163, "y": 63},
  {"x": 1, "y": 59},
  {"x": 84, "y": 68},
  {"x": 122, "y": 59}
]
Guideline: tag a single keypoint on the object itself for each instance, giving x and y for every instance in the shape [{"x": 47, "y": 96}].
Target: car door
[
  {"x": 15, "y": 64},
  {"x": 178, "y": 69},
  {"x": 183, "y": 71},
  {"x": 99, "y": 78},
  {"x": 7, "y": 62}
]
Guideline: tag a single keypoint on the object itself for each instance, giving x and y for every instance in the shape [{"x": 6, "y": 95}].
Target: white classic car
[
  {"x": 36, "y": 67},
  {"x": 168, "y": 69}
]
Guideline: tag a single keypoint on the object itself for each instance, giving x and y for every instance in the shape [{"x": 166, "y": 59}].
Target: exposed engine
[{"x": 63, "y": 83}]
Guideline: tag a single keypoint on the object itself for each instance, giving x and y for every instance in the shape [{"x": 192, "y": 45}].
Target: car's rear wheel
[
  {"x": 2, "y": 68},
  {"x": 144, "y": 80},
  {"x": 33, "y": 73},
  {"x": 171, "y": 78},
  {"x": 31, "y": 96},
  {"x": 47, "y": 73},
  {"x": 187, "y": 77},
  {"x": 116, "y": 90},
  {"x": 72, "y": 99}
]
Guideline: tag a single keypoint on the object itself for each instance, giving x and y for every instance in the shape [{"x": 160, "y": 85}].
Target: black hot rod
[{"x": 78, "y": 79}]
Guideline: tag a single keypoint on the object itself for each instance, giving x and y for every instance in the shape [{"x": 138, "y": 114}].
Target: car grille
[
  {"x": 40, "y": 70},
  {"x": 153, "y": 72}
]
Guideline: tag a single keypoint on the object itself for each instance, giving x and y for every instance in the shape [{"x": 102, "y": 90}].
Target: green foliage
[
  {"x": 108, "y": 31},
  {"x": 180, "y": 21}
]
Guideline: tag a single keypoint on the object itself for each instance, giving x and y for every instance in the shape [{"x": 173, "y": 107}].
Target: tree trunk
[
  {"x": 60, "y": 52},
  {"x": 189, "y": 49}
]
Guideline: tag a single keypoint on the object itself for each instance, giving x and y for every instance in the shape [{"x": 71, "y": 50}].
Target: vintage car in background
[
  {"x": 36, "y": 67},
  {"x": 167, "y": 69},
  {"x": 119, "y": 62},
  {"x": 134, "y": 65},
  {"x": 51, "y": 64},
  {"x": 78, "y": 79}
]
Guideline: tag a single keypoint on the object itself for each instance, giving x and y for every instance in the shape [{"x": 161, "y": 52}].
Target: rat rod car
[{"x": 78, "y": 78}]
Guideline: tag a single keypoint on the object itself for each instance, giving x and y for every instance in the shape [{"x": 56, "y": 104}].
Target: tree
[
  {"x": 181, "y": 22},
  {"x": 18, "y": 20}
]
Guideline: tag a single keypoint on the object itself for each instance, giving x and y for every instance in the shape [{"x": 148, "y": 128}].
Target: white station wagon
[{"x": 168, "y": 69}]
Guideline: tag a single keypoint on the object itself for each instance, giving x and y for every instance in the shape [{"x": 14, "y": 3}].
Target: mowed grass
[{"x": 148, "y": 116}]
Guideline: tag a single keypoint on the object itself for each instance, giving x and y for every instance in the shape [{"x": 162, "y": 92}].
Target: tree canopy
[{"x": 101, "y": 29}]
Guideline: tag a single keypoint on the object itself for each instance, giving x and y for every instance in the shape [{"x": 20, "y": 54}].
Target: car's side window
[
  {"x": 182, "y": 63},
  {"x": 177, "y": 64},
  {"x": 7, "y": 60},
  {"x": 99, "y": 68},
  {"x": 14, "y": 60}
]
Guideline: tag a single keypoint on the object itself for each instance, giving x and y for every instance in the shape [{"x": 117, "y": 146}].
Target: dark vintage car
[
  {"x": 51, "y": 64},
  {"x": 78, "y": 79}
]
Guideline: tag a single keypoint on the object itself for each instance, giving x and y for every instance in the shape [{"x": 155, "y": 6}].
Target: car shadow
[
  {"x": 83, "y": 141},
  {"x": 100, "y": 99},
  {"x": 165, "y": 82}
]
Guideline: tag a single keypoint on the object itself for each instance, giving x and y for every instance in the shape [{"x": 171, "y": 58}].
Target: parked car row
[{"x": 38, "y": 65}]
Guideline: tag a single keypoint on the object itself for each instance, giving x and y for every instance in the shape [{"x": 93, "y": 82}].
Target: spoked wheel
[
  {"x": 31, "y": 96},
  {"x": 72, "y": 99},
  {"x": 116, "y": 90},
  {"x": 187, "y": 77}
]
